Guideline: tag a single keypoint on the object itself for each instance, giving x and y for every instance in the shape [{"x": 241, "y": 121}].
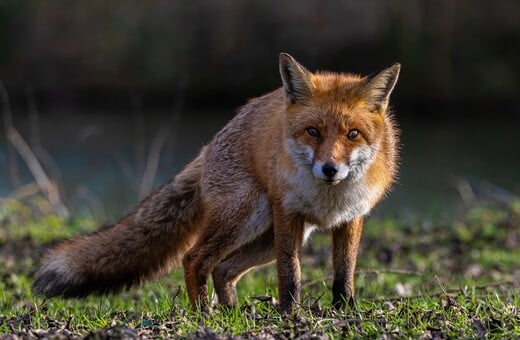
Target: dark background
[{"x": 91, "y": 84}]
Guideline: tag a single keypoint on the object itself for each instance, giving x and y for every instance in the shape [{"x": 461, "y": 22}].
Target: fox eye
[
  {"x": 352, "y": 134},
  {"x": 313, "y": 132}
]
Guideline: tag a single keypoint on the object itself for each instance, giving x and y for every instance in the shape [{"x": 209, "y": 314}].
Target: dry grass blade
[{"x": 43, "y": 181}]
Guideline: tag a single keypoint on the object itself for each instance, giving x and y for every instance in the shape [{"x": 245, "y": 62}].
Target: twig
[
  {"x": 319, "y": 298},
  {"x": 445, "y": 292},
  {"x": 471, "y": 191},
  {"x": 441, "y": 285},
  {"x": 317, "y": 281},
  {"x": 22, "y": 191},
  {"x": 45, "y": 184},
  {"x": 35, "y": 143},
  {"x": 497, "y": 194},
  {"x": 389, "y": 271},
  {"x": 465, "y": 191},
  {"x": 367, "y": 272},
  {"x": 8, "y": 123}
]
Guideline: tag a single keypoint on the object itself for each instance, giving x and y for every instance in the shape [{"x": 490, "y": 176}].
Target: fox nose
[{"x": 329, "y": 170}]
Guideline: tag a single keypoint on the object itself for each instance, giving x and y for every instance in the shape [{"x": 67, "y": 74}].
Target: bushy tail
[{"x": 148, "y": 241}]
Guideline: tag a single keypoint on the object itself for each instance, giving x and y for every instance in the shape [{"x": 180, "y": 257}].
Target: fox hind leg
[
  {"x": 201, "y": 259},
  {"x": 225, "y": 232},
  {"x": 239, "y": 262}
]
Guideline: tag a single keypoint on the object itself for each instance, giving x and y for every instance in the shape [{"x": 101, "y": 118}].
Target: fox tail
[{"x": 149, "y": 241}]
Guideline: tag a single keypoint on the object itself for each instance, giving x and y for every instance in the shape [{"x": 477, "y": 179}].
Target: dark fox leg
[
  {"x": 345, "y": 248},
  {"x": 227, "y": 227},
  {"x": 216, "y": 242},
  {"x": 239, "y": 262},
  {"x": 288, "y": 239}
]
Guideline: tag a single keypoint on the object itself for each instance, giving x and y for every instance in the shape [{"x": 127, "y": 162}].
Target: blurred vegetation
[{"x": 219, "y": 51}]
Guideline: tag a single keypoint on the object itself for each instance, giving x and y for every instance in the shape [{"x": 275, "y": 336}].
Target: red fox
[{"x": 317, "y": 153}]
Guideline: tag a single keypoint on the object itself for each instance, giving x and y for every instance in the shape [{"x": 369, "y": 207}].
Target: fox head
[{"x": 337, "y": 124}]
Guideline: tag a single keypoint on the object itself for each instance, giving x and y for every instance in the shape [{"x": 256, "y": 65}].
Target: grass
[{"x": 436, "y": 278}]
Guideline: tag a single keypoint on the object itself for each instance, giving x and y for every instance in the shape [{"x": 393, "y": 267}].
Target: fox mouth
[{"x": 331, "y": 182}]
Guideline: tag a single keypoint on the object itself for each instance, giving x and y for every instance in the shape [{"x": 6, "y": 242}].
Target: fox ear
[
  {"x": 295, "y": 79},
  {"x": 378, "y": 88}
]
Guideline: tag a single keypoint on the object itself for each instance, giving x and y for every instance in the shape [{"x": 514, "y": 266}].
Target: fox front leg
[
  {"x": 288, "y": 237},
  {"x": 345, "y": 241}
]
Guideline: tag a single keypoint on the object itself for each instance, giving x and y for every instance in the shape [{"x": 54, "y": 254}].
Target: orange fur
[{"x": 317, "y": 153}]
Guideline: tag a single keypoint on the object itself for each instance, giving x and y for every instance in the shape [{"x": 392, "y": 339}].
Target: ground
[{"x": 420, "y": 278}]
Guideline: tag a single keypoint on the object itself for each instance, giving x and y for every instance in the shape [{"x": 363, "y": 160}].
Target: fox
[{"x": 318, "y": 153}]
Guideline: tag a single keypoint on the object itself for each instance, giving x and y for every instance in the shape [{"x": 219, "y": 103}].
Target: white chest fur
[{"x": 325, "y": 205}]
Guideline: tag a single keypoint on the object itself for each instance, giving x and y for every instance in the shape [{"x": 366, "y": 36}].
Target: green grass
[{"x": 447, "y": 278}]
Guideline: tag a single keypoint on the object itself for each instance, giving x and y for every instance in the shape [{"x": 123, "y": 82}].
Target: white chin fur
[{"x": 329, "y": 205}]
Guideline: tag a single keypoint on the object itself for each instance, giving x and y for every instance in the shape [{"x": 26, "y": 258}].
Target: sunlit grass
[{"x": 451, "y": 279}]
